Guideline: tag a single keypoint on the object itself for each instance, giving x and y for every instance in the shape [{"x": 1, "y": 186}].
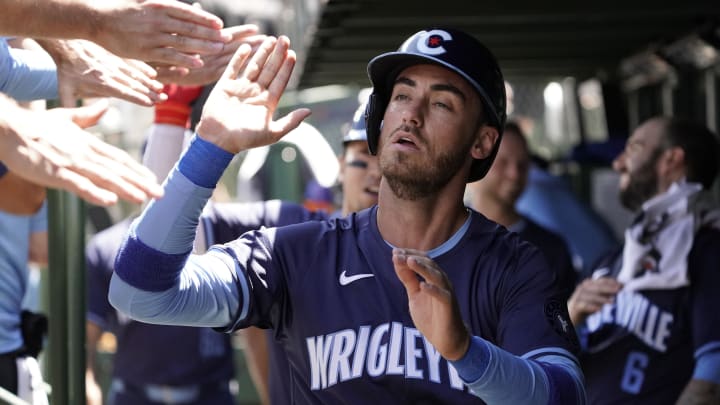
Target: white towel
[{"x": 658, "y": 243}]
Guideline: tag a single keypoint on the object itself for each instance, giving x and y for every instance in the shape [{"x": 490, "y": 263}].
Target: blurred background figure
[
  {"x": 319, "y": 198},
  {"x": 495, "y": 197}
]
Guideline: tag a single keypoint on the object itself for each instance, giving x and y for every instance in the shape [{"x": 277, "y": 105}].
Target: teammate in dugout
[
  {"x": 648, "y": 316},
  {"x": 417, "y": 299}
]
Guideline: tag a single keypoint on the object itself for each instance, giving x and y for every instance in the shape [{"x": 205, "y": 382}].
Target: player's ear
[
  {"x": 671, "y": 160},
  {"x": 485, "y": 138}
]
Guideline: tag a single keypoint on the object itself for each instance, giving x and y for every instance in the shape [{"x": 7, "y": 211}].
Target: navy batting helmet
[
  {"x": 454, "y": 50},
  {"x": 357, "y": 130}
]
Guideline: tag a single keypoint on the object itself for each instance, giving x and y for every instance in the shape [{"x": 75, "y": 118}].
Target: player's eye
[{"x": 360, "y": 164}]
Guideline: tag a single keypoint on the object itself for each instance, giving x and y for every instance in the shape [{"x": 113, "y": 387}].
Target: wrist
[
  {"x": 173, "y": 113},
  {"x": 461, "y": 349},
  {"x": 96, "y": 22},
  {"x": 212, "y": 131},
  {"x": 52, "y": 46}
]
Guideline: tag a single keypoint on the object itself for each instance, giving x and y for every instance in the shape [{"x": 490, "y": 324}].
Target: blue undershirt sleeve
[
  {"x": 499, "y": 377},
  {"x": 156, "y": 280},
  {"x": 27, "y": 75},
  {"x": 707, "y": 367}
]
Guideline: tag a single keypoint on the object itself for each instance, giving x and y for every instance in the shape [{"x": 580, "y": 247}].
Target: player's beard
[
  {"x": 642, "y": 186},
  {"x": 413, "y": 180}
]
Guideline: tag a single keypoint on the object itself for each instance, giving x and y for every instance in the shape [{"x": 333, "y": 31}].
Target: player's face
[
  {"x": 637, "y": 165},
  {"x": 431, "y": 122},
  {"x": 360, "y": 177},
  {"x": 507, "y": 177}
]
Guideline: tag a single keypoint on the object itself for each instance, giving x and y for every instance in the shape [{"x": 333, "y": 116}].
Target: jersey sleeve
[
  {"x": 533, "y": 319},
  {"x": 260, "y": 281},
  {"x": 703, "y": 264},
  {"x": 99, "y": 272},
  {"x": 228, "y": 221},
  {"x": 273, "y": 262}
]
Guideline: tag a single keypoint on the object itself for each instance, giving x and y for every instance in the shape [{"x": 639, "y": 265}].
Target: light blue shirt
[
  {"x": 27, "y": 75},
  {"x": 15, "y": 231}
]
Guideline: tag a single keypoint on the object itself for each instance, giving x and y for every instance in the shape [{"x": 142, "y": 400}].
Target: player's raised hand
[
  {"x": 590, "y": 296},
  {"x": 433, "y": 306},
  {"x": 238, "y": 114}
]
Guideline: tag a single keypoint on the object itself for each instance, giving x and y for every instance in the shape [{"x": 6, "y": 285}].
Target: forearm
[
  {"x": 19, "y": 196},
  {"x": 27, "y": 74},
  {"x": 163, "y": 148},
  {"x": 699, "y": 392},
  {"x": 162, "y": 237},
  {"x": 497, "y": 376},
  {"x": 10, "y": 138},
  {"x": 704, "y": 387},
  {"x": 154, "y": 281},
  {"x": 92, "y": 336},
  {"x": 50, "y": 18},
  {"x": 256, "y": 355}
]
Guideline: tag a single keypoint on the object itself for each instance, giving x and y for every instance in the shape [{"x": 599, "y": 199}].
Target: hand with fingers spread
[
  {"x": 590, "y": 296},
  {"x": 50, "y": 148},
  {"x": 85, "y": 69},
  {"x": 238, "y": 114},
  {"x": 433, "y": 306},
  {"x": 213, "y": 64}
]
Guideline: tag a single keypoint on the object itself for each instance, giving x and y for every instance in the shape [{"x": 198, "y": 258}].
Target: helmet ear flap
[{"x": 374, "y": 113}]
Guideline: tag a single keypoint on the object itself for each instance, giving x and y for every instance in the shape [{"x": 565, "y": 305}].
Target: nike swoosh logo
[{"x": 345, "y": 279}]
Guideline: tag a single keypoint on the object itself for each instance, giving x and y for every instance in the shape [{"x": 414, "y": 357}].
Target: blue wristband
[
  {"x": 3, "y": 169},
  {"x": 204, "y": 163}
]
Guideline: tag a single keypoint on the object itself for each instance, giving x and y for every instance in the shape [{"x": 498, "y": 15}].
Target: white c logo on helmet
[{"x": 430, "y": 42}]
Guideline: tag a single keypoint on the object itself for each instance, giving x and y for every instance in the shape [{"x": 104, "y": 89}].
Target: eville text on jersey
[{"x": 641, "y": 348}]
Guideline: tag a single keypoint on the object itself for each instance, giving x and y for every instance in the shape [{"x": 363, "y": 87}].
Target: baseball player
[
  {"x": 495, "y": 197},
  {"x": 225, "y": 222},
  {"x": 415, "y": 300},
  {"x": 648, "y": 316}
]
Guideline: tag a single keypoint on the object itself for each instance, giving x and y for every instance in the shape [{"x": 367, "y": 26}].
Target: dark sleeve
[
  {"x": 229, "y": 221},
  {"x": 533, "y": 313},
  {"x": 3, "y": 169},
  {"x": 704, "y": 267},
  {"x": 557, "y": 254},
  {"x": 99, "y": 271}
]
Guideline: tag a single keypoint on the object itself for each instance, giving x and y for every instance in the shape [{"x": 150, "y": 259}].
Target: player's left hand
[{"x": 433, "y": 306}]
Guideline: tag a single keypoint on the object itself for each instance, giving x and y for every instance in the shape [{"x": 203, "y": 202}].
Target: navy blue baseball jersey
[
  {"x": 146, "y": 353},
  {"x": 641, "y": 349},
  {"x": 556, "y": 252},
  {"x": 329, "y": 291},
  {"x": 225, "y": 222}
]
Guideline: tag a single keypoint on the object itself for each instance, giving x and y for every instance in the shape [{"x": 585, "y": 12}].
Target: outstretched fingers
[
  {"x": 275, "y": 62},
  {"x": 237, "y": 63},
  {"x": 257, "y": 62}
]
